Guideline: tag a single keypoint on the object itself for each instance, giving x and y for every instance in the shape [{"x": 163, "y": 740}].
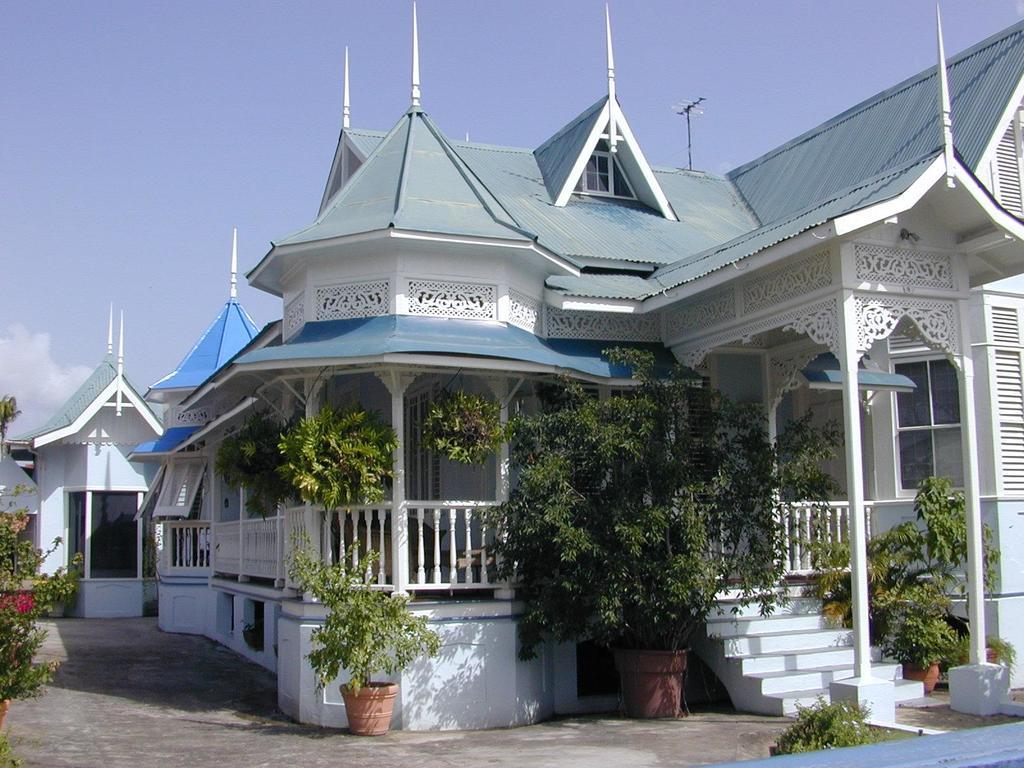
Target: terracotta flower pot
[
  {"x": 651, "y": 682},
  {"x": 4, "y": 706},
  {"x": 927, "y": 675},
  {"x": 369, "y": 711}
]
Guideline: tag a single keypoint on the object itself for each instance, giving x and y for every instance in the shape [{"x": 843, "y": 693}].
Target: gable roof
[
  {"x": 557, "y": 156},
  {"x": 890, "y": 130},
  {"x": 231, "y": 330}
]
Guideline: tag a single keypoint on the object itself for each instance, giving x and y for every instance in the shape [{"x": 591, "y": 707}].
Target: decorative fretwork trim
[
  {"x": 902, "y": 266},
  {"x": 787, "y": 282},
  {"x": 350, "y": 300},
  {"x": 192, "y": 417},
  {"x": 935, "y": 320},
  {"x": 468, "y": 301},
  {"x": 524, "y": 312},
  {"x": 784, "y": 365},
  {"x": 703, "y": 313},
  {"x": 570, "y": 324},
  {"x": 294, "y": 315}
]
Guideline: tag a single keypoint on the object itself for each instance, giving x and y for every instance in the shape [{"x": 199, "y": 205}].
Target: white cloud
[
  {"x": 1020, "y": 8},
  {"x": 29, "y": 372}
]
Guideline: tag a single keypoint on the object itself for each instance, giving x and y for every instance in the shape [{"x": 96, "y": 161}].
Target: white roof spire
[
  {"x": 944, "y": 105},
  {"x": 110, "y": 331},
  {"x": 234, "y": 263},
  {"x": 415, "y": 59},
  {"x": 345, "y": 111},
  {"x": 612, "y": 137},
  {"x": 120, "y": 364}
]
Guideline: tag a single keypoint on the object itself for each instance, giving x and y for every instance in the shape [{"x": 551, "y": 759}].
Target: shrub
[
  {"x": 251, "y": 458},
  {"x": 826, "y": 726},
  {"x": 464, "y": 428},
  {"x": 7, "y": 757}
]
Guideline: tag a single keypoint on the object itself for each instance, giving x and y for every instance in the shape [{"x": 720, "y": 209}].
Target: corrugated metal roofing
[
  {"x": 889, "y": 130},
  {"x": 556, "y": 156},
  {"x": 363, "y": 140},
  {"x": 231, "y": 330},
  {"x": 167, "y": 442},
  {"x": 403, "y": 334}
]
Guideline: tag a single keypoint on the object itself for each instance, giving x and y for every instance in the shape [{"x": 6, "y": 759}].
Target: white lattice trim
[
  {"x": 902, "y": 266},
  {"x": 818, "y": 320},
  {"x": 787, "y": 282},
  {"x": 703, "y": 313},
  {"x": 570, "y": 324},
  {"x": 524, "y": 311},
  {"x": 350, "y": 300},
  {"x": 192, "y": 417},
  {"x": 785, "y": 364},
  {"x": 294, "y": 315},
  {"x": 878, "y": 316},
  {"x": 468, "y": 301}
]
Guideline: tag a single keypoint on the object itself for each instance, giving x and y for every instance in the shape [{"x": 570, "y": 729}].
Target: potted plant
[
  {"x": 632, "y": 515},
  {"x": 463, "y": 427},
  {"x": 919, "y": 637},
  {"x": 366, "y": 632},
  {"x": 251, "y": 458}
]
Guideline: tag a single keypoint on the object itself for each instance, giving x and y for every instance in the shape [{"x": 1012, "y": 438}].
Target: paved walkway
[{"x": 128, "y": 695}]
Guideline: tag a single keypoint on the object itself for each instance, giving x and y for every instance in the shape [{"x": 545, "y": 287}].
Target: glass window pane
[
  {"x": 913, "y": 408},
  {"x": 114, "y": 540},
  {"x": 76, "y": 524},
  {"x": 621, "y": 185},
  {"x": 915, "y": 457},
  {"x": 945, "y": 393},
  {"x": 949, "y": 455}
]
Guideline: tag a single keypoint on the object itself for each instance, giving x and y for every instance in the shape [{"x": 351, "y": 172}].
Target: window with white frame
[
  {"x": 603, "y": 175},
  {"x": 928, "y": 424},
  {"x": 181, "y": 482}
]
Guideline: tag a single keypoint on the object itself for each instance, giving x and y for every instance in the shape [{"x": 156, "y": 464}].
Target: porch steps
[{"x": 771, "y": 664}]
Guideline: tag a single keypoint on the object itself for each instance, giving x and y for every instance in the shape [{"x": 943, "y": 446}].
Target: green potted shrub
[
  {"x": 57, "y": 590},
  {"x": 463, "y": 427},
  {"x": 251, "y": 458},
  {"x": 919, "y": 637},
  {"x": 366, "y": 632},
  {"x": 632, "y": 515},
  {"x": 826, "y": 725}
]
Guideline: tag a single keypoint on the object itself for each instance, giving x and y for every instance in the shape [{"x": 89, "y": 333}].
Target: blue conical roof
[{"x": 231, "y": 330}]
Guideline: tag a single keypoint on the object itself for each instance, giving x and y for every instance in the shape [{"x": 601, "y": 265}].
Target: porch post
[
  {"x": 311, "y": 517},
  {"x": 878, "y": 695},
  {"x": 397, "y": 383},
  {"x": 977, "y": 688}
]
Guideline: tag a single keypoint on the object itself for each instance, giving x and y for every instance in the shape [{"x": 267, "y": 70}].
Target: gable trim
[
  {"x": 988, "y": 157},
  {"x": 101, "y": 400}
]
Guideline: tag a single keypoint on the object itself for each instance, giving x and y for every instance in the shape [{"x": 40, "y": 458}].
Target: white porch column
[
  {"x": 977, "y": 688},
  {"x": 311, "y": 516},
  {"x": 397, "y": 383},
  {"x": 876, "y": 694}
]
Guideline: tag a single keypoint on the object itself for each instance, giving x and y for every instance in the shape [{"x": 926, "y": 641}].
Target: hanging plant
[
  {"x": 464, "y": 428},
  {"x": 339, "y": 458},
  {"x": 251, "y": 458}
]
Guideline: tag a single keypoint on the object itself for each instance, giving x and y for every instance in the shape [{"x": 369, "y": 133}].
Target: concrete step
[
  {"x": 781, "y": 642},
  {"x": 786, "y": 703},
  {"x": 809, "y": 679},
  {"x": 731, "y": 609},
  {"x": 765, "y": 625},
  {"x": 807, "y": 658}
]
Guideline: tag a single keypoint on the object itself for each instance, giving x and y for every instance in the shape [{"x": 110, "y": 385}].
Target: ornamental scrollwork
[
  {"x": 524, "y": 311},
  {"x": 936, "y": 320},
  {"x": 294, "y": 315},
  {"x": 902, "y": 266},
  {"x": 467, "y": 301},
  {"x": 784, "y": 283},
  {"x": 350, "y": 300},
  {"x": 569, "y": 324},
  {"x": 784, "y": 365},
  {"x": 706, "y": 312}
]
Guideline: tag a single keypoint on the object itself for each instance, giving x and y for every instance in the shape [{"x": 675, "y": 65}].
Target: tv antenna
[{"x": 686, "y": 108}]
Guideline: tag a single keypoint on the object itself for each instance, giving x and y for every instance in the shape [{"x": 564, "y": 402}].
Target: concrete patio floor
[{"x": 130, "y": 695}]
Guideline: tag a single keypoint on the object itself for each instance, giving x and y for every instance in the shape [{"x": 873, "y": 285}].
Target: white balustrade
[
  {"x": 187, "y": 547},
  {"x": 250, "y": 548},
  {"x": 452, "y": 545},
  {"x": 804, "y": 525},
  {"x": 226, "y": 547},
  {"x": 356, "y": 531}
]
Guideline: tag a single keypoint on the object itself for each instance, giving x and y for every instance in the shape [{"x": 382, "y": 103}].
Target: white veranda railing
[
  {"x": 806, "y": 525},
  {"x": 187, "y": 547}
]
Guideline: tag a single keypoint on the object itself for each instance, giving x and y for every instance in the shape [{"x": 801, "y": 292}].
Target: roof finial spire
[
  {"x": 120, "y": 363},
  {"x": 234, "y": 262},
  {"x": 345, "y": 111},
  {"x": 944, "y": 105},
  {"x": 415, "y": 59},
  {"x": 110, "y": 331},
  {"x": 612, "y": 133}
]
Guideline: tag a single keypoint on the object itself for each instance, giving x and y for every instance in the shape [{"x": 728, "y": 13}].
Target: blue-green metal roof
[
  {"x": 890, "y": 130},
  {"x": 167, "y": 442},
  {"x": 391, "y": 334},
  {"x": 824, "y": 371},
  {"x": 229, "y": 332},
  {"x": 556, "y": 156},
  {"x": 82, "y": 398},
  {"x": 363, "y": 140}
]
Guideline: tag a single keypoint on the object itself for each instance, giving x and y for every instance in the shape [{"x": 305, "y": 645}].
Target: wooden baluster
[
  {"x": 421, "y": 575},
  {"x": 453, "y": 575},
  {"x": 787, "y": 537},
  {"x": 467, "y": 522},
  {"x": 797, "y": 539},
  {"x": 353, "y": 517},
  {"x": 809, "y": 526},
  {"x": 381, "y": 515},
  {"x": 367, "y": 516},
  {"x": 484, "y": 578},
  {"x": 435, "y": 576}
]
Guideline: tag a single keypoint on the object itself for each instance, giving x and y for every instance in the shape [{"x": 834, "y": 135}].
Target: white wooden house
[{"x": 433, "y": 263}]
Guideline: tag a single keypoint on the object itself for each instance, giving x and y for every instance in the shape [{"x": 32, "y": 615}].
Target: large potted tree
[
  {"x": 632, "y": 515},
  {"x": 334, "y": 459}
]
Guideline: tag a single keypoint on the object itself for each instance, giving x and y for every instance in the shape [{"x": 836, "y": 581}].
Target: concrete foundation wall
[
  {"x": 109, "y": 598},
  {"x": 187, "y": 606}
]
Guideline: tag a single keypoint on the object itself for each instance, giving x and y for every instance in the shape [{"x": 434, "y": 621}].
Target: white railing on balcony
[
  {"x": 227, "y": 547},
  {"x": 187, "y": 548},
  {"x": 451, "y": 546},
  {"x": 355, "y": 531},
  {"x": 806, "y": 525},
  {"x": 249, "y": 548}
]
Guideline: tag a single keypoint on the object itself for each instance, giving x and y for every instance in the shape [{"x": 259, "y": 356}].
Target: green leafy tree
[
  {"x": 8, "y": 413},
  {"x": 632, "y": 514},
  {"x": 251, "y": 458}
]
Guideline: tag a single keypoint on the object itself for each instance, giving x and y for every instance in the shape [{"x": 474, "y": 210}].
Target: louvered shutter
[
  {"x": 1008, "y": 169},
  {"x": 1005, "y": 323}
]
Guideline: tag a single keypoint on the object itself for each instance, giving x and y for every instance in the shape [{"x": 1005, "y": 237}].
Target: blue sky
[{"x": 135, "y": 135}]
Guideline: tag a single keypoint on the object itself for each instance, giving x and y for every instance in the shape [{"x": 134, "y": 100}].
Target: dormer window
[{"x": 603, "y": 175}]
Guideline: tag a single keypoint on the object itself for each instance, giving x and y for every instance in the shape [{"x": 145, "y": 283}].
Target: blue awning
[
  {"x": 166, "y": 443},
  {"x": 823, "y": 373},
  {"x": 391, "y": 334}
]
